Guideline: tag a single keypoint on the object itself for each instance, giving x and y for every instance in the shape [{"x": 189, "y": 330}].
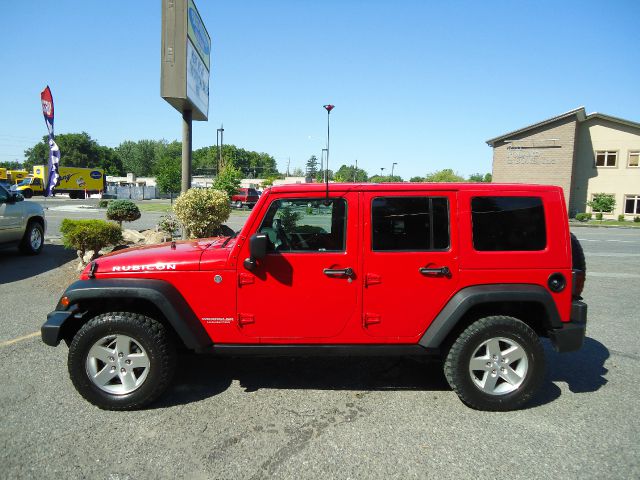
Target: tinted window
[
  {"x": 306, "y": 225},
  {"x": 410, "y": 223},
  {"x": 508, "y": 223}
]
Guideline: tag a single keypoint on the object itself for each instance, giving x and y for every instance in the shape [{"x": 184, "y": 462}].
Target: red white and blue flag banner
[{"x": 54, "y": 151}]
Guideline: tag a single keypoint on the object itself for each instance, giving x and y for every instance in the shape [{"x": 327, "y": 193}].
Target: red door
[
  {"x": 410, "y": 261},
  {"x": 307, "y": 287}
]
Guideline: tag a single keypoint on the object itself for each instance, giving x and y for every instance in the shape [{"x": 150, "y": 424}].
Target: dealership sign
[{"x": 186, "y": 58}]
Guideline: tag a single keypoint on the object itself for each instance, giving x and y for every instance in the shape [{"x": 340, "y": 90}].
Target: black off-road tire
[
  {"x": 155, "y": 341},
  {"x": 27, "y": 193},
  {"x": 457, "y": 363}
]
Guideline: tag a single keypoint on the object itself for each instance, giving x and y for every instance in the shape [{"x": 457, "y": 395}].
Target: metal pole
[
  {"x": 218, "y": 150},
  {"x": 392, "y": 167},
  {"x": 186, "y": 150},
  {"x": 355, "y": 172},
  {"x": 221, "y": 144}
]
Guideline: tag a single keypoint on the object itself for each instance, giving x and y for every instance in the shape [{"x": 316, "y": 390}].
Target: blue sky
[{"x": 423, "y": 84}]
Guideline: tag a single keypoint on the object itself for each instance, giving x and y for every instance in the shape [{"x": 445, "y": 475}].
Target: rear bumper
[
  {"x": 570, "y": 336},
  {"x": 51, "y": 331}
]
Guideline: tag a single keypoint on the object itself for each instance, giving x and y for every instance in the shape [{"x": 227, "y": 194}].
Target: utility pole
[
  {"x": 288, "y": 162},
  {"x": 186, "y": 150},
  {"x": 355, "y": 172},
  {"x": 392, "y": 167}
]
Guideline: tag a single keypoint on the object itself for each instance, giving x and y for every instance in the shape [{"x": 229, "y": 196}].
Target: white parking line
[{"x": 19, "y": 339}]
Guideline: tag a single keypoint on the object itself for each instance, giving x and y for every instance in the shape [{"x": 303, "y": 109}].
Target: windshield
[{"x": 26, "y": 181}]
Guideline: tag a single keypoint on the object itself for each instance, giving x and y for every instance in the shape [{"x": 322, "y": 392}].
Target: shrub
[
  {"x": 621, "y": 218},
  {"x": 636, "y": 219},
  {"x": 602, "y": 202},
  {"x": 103, "y": 203},
  {"x": 289, "y": 218},
  {"x": 202, "y": 210},
  {"x": 599, "y": 216},
  {"x": 583, "y": 217},
  {"x": 84, "y": 235},
  {"x": 123, "y": 211},
  {"x": 169, "y": 225}
]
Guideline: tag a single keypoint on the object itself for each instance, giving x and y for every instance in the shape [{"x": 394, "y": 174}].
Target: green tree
[
  {"x": 446, "y": 175},
  {"x": 169, "y": 174},
  {"x": 228, "y": 180},
  {"x": 123, "y": 211},
  {"x": 141, "y": 157},
  {"x": 416, "y": 179},
  {"x": 386, "y": 179},
  {"x": 350, "y": 174},
  {"x": 11, "y": 165},
  {"x": 312, "y": 166},
  {"x": 297, "y": 172},
  {"x": 76, "y": 150},
  {"x": 480, "y": 178},
  {"x": 602, "y": 202}
]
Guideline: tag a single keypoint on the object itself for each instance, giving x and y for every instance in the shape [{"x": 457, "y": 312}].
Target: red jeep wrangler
[
  {"x": 245, "y": 197},
  {"x": 475, "y": 273}
]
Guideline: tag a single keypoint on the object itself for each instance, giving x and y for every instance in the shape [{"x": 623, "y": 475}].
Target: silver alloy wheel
[
  {"x": 498, "y": 366},
  {"x": 117, "y": 364},
  {"x": 35, "y": 239}
]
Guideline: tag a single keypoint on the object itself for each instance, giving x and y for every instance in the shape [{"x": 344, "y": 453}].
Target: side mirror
[
  {"x": 257, "y": 249},
  {"x": 16, "y": 197}
]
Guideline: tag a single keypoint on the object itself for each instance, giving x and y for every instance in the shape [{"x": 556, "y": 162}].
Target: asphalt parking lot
[{"x": 325, "y": 418}]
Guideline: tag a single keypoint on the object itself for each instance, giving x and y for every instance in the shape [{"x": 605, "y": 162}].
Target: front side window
[
  {"x": 632, "y": 204},
  {"x": 306, "y": 225},
  {"x": 410, "y": 224},
  {"x": 605, "y": 158},
  {"x": 634, "y": 158},
  {"x": 508, "y": 224}
]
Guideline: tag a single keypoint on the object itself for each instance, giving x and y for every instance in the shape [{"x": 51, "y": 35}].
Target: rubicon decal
[{"x": 144, "y": 268}]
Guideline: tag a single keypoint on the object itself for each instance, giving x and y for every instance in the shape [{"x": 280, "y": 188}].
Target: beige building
[{"x": 584, "y": 154}]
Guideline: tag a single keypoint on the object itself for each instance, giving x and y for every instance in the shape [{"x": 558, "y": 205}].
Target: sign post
[{"x": 184, "y": 71}]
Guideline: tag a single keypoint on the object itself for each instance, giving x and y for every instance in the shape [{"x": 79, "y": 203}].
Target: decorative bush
[
  {"x": 599, "y": 216},
  {"x": 103, "y": 203},
  {"x": 202, "y": 210},
  {"x": 123, "y": 211},
  {"x": 583, "y": 217},
  {"x": 84, "y": 235},
  {"x": 621, "y": 218},
  {"x": 169, "y": 225},
  {"x": 636, "y": 219}
]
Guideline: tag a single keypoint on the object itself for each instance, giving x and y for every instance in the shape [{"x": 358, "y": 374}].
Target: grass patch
[{"x": 155, "y": 207}]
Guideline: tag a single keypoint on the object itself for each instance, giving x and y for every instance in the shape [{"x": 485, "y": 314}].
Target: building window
[
  {"x": 631, "y": 204},
  {"x": 634, "y": 158},
  {"x": 606, "y": 158}
]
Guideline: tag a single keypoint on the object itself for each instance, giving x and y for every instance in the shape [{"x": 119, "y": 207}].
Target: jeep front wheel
[
  {"x": 496, "y": 364},
  {"x": 121, "y": 360}
]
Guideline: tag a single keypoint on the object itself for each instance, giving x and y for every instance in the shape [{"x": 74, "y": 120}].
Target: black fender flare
[
  {"x": 469, "y": 297},
  {"x": 159, "y": 292}
]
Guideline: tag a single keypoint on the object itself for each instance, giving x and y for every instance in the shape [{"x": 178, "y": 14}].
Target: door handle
[
  {"x": 435, "y": 272},
  {"x": 346, "y": 272}
]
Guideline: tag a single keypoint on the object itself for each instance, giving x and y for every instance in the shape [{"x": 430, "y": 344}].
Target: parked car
[
  {"x": 245, "y": 197},
  {"x": 22, "y": 223},
  {"x": 472, "y": 273}
]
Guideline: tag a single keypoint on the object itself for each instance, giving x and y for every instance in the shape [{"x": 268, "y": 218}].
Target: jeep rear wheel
[
  {"x": 121, "y": 360},
  {"x": 497, "y": 364}
]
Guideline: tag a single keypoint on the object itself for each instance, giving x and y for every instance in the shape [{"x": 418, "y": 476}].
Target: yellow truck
[
  {"x": 77, "y": 182},
  {"x": 11, "y": 177}
]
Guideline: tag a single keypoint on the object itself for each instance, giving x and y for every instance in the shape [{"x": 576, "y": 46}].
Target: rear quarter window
[{"x": 508, "y": 224}]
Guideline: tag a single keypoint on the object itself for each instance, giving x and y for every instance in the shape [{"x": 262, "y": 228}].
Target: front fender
[{"x": 159, "y": 292}]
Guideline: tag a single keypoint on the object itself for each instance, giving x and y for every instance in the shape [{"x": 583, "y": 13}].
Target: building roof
[{"x": 580, "y": 115}]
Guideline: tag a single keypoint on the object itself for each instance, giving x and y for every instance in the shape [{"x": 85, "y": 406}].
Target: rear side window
[
  {"x": 410, "y": 223},
  {"x": 508, "y": 224}
]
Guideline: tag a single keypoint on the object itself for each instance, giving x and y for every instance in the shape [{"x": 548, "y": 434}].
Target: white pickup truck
[{"x": 21, "y": 223}]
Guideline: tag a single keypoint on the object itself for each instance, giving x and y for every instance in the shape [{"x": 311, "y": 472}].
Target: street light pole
[
  {"x": 322, "y": 156},
  {"x": 328, "y": 108},
  {"x": 220, "y": 136},
  {"x": 392, "y": 167},
  {"x": 381, "y": 174}
]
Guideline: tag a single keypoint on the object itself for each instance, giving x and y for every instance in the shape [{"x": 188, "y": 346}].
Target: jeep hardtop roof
[{"x": 410, "y": 187}]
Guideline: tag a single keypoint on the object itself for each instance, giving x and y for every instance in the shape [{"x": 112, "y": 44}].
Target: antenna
[{"x": 328, "y": 108}]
